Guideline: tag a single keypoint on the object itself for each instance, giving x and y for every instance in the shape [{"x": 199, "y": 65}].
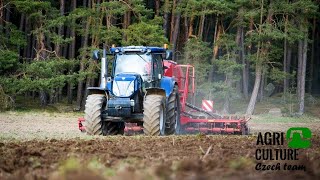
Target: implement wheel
[{"x": 154, "y": 115}]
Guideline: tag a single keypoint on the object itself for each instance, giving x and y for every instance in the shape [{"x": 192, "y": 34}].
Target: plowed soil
[{"x": 61, "y": 152}]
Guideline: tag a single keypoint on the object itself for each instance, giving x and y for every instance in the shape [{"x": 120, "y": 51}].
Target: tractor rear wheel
[
  {"x": 93, "y": 120},
  {"x": 173, "y": 112},
  {"x": 154, "y": 115}
]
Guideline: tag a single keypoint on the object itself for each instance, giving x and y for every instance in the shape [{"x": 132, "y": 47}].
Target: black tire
[
  {"x": 154, "y": 115},
  {"x": 93, "y": 120},
  {"x": 173, "y": 113},
  {"x": 112, "y": 128},
  {"x": 94, "y": 124},
  {"x": 245, "y": 130}
]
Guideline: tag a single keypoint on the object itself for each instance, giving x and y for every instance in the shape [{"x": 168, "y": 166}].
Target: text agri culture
[{"x": 269, "y": 139}]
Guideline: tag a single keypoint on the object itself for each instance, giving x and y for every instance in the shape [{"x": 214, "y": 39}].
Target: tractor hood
[{"x": 125, "y": 85}]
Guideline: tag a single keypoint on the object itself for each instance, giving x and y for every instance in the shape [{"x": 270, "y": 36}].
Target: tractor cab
[{"x": 143, "y": 64}]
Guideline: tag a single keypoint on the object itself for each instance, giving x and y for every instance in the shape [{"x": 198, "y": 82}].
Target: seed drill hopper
[{"x": 194, "y": 119}]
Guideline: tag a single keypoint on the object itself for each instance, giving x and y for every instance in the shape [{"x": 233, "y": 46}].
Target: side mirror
[
  {"x": 168, "y": 55},
  {"x": 96, "y": 55}
]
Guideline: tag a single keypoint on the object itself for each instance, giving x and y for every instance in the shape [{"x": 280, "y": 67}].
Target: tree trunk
[
  {"x": 173, "y": 20},
  {"x": 26, "y": 50},
  {"x": 259, "y": 65},
  {"x": 33, "y": 46},
  {"x": 226, "y": 104},
  {"x": 216, "y": 47},
  {"x": 207, "y": 29},
  {"x": 255, "y": 91},
  {"x": 238, "y": 59},
  {"x": 217, "y": 35},
  {"x": 43, "y": 98},
  {"x": 214, "y": 42},
  {"x": 303, "y": 75},
  {"x": 312, "y": 56},
  {"x": 80, "y": 83},
  {"x": 1, "y": 14},
  {"x": 8, "y": 19},
  {"x": 80, "y": 86},
  {"x": 245, "y": 69},
  {"x": 21, "y": 27},
  {"x": 285, "y": 58},
  {"x": 176, "y": 34},
  {"x": 190, "y": 31},
  {"x": 72, "y": 48},
  {"x": 285, "y": 70},
  {"x": 157, "y": 7},
  {"x": 263, "y": 83},
  {"x": 126, "y": 22},
  {"x": 300, "y": 61},
  {"x": 65, "y": 46},
  {"x": 166, "y": 18},
  {"x": 60, "y": 29},
  {"x": 288, "y": 66},
  {"x": 201, "y": 26},
  {"x": 186, "y": 28},
  {"x": 89, "y": 83}
]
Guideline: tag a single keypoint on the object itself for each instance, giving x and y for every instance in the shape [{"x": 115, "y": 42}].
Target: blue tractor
[{"x": 136, "y": 92}]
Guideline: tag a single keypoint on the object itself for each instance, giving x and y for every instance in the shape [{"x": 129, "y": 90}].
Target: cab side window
[{"x": 158, "y": 69}]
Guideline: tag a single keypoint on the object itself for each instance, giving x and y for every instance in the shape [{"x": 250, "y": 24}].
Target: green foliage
[
  {"x": 8, "y": 61},
  {"x": 144, "y": 33},
  {"x": 40, "y": 75},
  {"x": 16, "y": 37},
  {"x": 198, "y": 54},
  {"x": 227, "y": 69},
  {"x": 205, "y": 7},
  {"x": 265, "y": 28}
]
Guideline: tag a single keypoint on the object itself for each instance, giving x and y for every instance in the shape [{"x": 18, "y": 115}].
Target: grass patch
[
  {"x": 267, "y": 118},
  {"x": 29, "y": 104}
]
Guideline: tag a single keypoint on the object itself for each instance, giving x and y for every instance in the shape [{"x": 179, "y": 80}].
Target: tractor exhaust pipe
[
  {"x": 104, "y": 66},
  {"x": 104, "y": 69}
]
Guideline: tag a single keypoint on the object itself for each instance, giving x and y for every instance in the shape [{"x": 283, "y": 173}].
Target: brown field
[{"x": 49, "y": 146}]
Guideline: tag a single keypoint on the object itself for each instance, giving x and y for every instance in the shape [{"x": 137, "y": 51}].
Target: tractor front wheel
[
  {"x": 93, "y": 120},
  {"x": 154, "y": 115}
]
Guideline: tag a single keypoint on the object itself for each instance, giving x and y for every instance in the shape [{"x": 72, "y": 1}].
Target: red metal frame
[
  {"x": 80, "y": 125},
  {"x": 227, "y": 124}
]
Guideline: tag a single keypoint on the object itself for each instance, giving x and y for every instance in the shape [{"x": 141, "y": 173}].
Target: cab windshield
[{"x": 133, "y": 63}]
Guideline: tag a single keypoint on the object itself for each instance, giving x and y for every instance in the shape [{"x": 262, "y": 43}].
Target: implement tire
[
  {"x": 154, "y": 115},
  {"x": 93, "y": 120},
  {"x": 173, "y": 112}
]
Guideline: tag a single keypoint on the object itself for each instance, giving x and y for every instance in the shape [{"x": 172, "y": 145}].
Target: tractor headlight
[{"x": 123, "y": 88}]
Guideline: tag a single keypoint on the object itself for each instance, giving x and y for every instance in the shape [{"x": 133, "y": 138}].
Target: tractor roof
[{"x": 142, "y": 49}]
